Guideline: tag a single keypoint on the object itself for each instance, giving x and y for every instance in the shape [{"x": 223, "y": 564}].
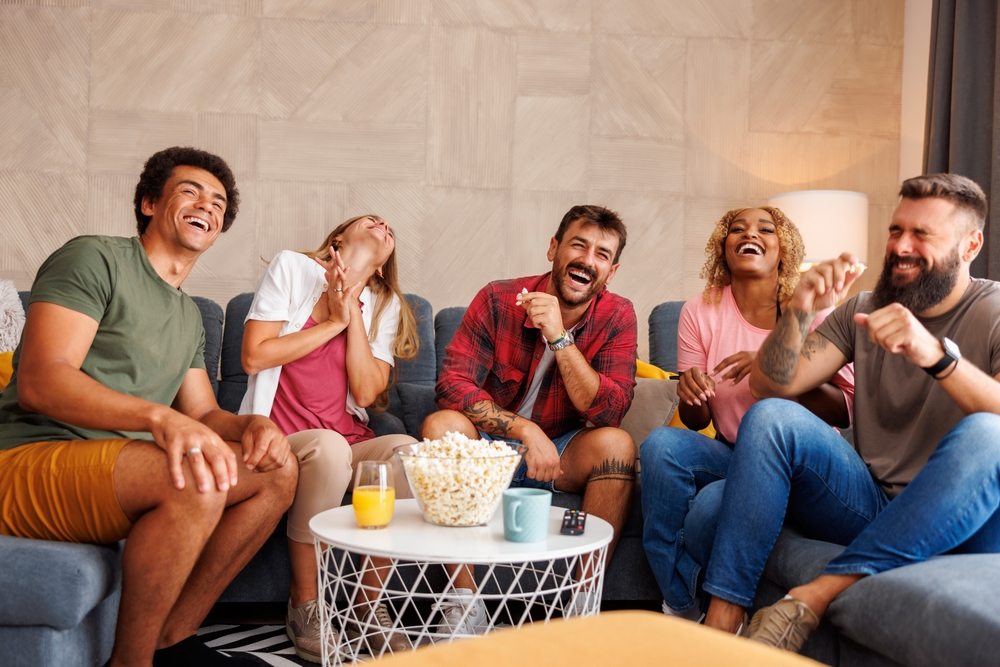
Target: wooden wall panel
[{"x": 471, "y": 126}]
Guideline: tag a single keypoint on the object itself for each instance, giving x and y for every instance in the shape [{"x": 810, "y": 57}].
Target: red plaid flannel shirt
[{"x": 496, "y": 350}]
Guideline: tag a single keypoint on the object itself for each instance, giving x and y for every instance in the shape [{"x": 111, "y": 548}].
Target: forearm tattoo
[
  {"x": 814, "y": 344},
  {"x": 613, "y": 469},
  {"x": 779, "y": 355},
  {"x": 488, "y": 417}
]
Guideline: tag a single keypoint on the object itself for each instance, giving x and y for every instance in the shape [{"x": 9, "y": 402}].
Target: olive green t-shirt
[
  {"x": 149, "y": 333},
  {"x": 900, "y": 412}
]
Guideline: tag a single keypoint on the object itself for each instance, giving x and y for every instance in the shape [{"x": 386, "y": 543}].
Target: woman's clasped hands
[
  {"x": 340, "y": 296},
  {"x": 695, "y": 386}
]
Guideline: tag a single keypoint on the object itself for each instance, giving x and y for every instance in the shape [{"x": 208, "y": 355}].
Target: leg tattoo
[{"x": 613, "y": 469}]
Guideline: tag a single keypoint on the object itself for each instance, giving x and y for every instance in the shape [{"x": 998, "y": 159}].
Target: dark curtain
[{"x": 963, "y": 102}]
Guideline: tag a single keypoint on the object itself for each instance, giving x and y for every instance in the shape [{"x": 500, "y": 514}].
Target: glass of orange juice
[{"x": 374, "y": 496}]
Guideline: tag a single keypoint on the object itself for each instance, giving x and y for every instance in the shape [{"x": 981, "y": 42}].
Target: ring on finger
[
  {"x": 193, "y": 451},
  {"x": 338, "y": 289}
]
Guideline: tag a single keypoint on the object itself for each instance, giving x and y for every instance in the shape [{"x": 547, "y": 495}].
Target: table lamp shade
[{"x": 831, "y": 221}]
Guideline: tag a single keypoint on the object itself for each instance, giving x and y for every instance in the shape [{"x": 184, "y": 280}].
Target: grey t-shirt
[{"x": 901, "y": 412}]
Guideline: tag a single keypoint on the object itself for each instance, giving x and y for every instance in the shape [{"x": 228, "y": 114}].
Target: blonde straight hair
[{"x": 384, "y": 287}]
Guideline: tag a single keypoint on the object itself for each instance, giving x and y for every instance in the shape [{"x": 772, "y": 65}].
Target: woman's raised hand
[
  {"x": 694, "y": 386},
  {"x": 739, "y": 365},
  {"x": 341, "y": 297}
]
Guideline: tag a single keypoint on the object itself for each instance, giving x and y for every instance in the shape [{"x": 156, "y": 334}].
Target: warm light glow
[{"x": 831, "y": 222}]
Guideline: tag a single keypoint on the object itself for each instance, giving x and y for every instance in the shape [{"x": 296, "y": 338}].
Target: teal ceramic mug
[{"x": 526, "y": 514}]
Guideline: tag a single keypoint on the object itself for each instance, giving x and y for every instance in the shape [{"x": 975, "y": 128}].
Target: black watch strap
[{"x": 951, "y": 355}]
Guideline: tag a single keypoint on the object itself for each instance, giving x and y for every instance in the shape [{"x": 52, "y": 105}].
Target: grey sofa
[{"x": 58, "y": 602}]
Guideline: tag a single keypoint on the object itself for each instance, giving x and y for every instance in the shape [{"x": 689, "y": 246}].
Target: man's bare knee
[
  {"x": 443, "y": 421},
  {"x": 286, "y": 478},
  {"x": 614, "y": 456}
]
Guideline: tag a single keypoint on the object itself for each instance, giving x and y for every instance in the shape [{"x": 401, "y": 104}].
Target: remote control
[{"x": 573, "y": 522}]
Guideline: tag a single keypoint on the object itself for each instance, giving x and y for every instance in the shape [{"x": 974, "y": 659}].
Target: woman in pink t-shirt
[
  {"x": 751, "y": 272},
  {"x": 319, "y": 344}
]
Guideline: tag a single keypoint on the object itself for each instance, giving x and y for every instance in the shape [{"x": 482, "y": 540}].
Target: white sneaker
[
  {"x": 693, "y": 614},
  {"x": 583, "y": 603},
  {"x": 462, "y": 614}
]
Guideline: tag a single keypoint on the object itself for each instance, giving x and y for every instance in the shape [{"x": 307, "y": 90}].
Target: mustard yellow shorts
[{"x": 62, "y": 491}]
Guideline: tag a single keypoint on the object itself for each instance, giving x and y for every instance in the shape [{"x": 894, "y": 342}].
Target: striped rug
[{"x": 267, "y": 642}]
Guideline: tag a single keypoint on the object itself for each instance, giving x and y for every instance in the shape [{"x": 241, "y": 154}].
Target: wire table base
[{"x": 549, "y": 581}]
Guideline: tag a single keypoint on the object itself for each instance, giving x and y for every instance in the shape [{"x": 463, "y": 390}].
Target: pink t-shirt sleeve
[{"x": 691, "y": 348}]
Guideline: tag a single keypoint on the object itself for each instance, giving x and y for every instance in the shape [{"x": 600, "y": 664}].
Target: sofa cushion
[
  {"x": 422, "y": 368},
  {"x": 945, "y": 611},
  {"x": 663, "y": 322},
  {"x": 653, "y": 406},
  {"x": 417, "y": 402},
  {"x": 233, "y": 384},
  {"x": 211, "y": 318},
  {"x": 54, "y": 583},
  {"x": 445, "y": 325}
]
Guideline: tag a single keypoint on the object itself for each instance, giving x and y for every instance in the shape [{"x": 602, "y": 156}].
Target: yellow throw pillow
[
  {"x": 6, "y": 368},
  {"x": 644, "y": 370}
]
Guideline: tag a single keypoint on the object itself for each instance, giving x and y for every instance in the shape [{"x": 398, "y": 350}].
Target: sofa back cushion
[
  {"x": 445, "y": 325},
  {"x": 211, "y": 318},
  {"x": 233, "y": 384},
  {"x": 663, "y": 321}
]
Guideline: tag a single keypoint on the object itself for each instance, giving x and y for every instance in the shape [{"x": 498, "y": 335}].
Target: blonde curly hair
[{"x": 716, "y": 272}]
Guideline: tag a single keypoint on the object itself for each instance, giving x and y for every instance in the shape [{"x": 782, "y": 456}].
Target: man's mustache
[
  {"x": 893, "y": 259},
  {"x": 586, "y": 269}
]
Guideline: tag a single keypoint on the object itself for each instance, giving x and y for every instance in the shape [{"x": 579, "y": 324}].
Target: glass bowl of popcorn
[{"x": 458, "y": 481}]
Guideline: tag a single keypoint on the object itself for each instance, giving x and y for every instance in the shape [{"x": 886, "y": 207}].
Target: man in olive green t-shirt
[
  {"x": 925, "y": 344},
  {"x": 109, "y": 428}
]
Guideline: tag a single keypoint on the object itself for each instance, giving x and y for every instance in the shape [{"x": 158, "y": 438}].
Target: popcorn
[
  {"x": 457, "y": 481},
  {"x": 520, "y": 295}
]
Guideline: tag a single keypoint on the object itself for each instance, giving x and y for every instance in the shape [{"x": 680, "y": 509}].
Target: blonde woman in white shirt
[{"x": 319, "y": 345}]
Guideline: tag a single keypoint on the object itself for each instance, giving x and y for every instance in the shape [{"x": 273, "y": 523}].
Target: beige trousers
[{"x": 326, "y": 472}]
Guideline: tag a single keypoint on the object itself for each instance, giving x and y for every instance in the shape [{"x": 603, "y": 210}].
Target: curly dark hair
[{"x": 158, "y": 169}]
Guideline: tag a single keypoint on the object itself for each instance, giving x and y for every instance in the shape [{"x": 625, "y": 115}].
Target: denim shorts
[{"x": 521, "y": 474}]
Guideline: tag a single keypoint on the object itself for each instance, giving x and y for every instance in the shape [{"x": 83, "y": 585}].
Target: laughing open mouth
[
  {"x": 195, "y": 221},
  {"x": 580, "y": 277},
  {"x": 750, "y": 248}
]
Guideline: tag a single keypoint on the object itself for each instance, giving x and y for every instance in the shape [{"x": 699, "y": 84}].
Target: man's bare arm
[
  {"x": 580, "y": 379},
  {"x": 898, "y": 331},
  {"x": 49, "y": 381},
  {"x": 792, "y": 361},
  {"x": 490, "y": 418},
  {"x": 542, "y": 457},
  {"x": 264, "y": 445}
]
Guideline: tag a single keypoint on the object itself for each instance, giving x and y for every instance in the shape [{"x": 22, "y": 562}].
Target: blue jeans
[
  {"x": 521, "y": 474},
  {"x": 787, "y": 461},
  {"x": 676, "y": 465}
]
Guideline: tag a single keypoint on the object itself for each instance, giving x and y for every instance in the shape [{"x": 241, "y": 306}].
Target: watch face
[{"x": 950, "y": 348}]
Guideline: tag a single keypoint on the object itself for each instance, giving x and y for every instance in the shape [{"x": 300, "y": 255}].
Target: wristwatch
[
  {"x": 565, "y": 340},
  {"x": 951, "y": 355}
]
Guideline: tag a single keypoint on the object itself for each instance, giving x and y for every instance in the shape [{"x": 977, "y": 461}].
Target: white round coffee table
[{"x": 519, "y": 583}]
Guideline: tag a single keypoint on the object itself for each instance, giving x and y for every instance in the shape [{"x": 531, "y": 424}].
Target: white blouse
[{"x": 288, "y": 291}]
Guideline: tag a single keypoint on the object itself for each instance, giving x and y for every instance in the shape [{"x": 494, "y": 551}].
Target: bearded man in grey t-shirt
[{"x": 926, "y": 351}]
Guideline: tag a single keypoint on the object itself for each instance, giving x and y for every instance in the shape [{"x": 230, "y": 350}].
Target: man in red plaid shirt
[{"x": 535, "y": 359}]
